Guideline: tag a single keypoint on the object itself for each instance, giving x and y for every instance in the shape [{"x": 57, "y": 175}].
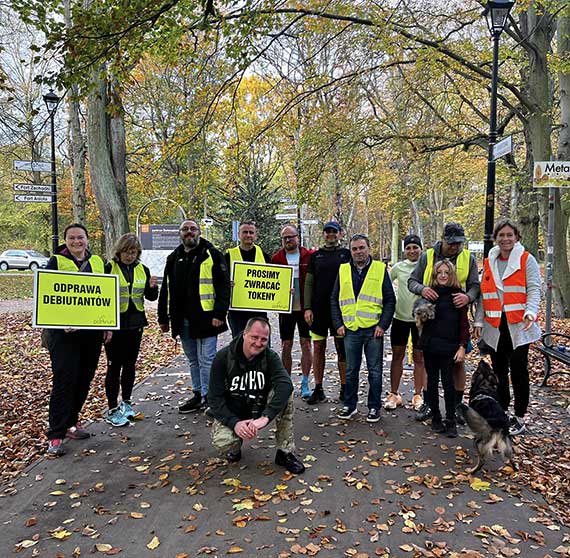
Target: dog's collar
[{"x": 482, "y": 396}]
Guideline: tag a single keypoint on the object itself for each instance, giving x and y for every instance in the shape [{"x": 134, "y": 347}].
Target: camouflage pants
[{"x": 225, "y": 439}]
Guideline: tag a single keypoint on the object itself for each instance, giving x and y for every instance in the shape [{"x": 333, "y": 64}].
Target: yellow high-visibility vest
[
  {"x": 235, "y": 255},
  {"x": 206, "y": 286},
  {"x": 137, "y": 290},
  {"x": 364, "y": 311},
  {"x": 65, "y": 264},
  {"x": 461, "y": 266}
]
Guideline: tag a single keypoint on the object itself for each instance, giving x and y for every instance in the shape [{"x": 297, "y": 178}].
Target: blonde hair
[
  {"x": 453, "y": 281},
  {"x": 126, "y": 243}
]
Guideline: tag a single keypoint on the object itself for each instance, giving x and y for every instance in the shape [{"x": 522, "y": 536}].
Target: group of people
[{"x": 338, "y": 292}]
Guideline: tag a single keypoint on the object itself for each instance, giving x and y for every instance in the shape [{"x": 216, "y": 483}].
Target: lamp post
[
  {"x": 52, "y": 100},
  {"x": 497, "y": 14}
]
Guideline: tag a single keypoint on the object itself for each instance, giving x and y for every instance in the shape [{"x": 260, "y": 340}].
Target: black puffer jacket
[{"x": 179, "y": 293}]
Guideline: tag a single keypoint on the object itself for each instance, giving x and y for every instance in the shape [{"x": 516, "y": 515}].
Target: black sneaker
[
  {"x": 233, "y": 455},
  {"x": 450, "y": 428},
  {"x": 290, "y": 462},
  {"x": 516, "y": 426},
  {"x": 318, "y": 396},
  {"x": 347, "y": 413},
  {"x": 437, "y": 425},
  {"x": 424, "y": 413},
  {"x": 373, "y": 415},
  {"x": 341, "y": 395},
  {"x": 192, "y": 405}
]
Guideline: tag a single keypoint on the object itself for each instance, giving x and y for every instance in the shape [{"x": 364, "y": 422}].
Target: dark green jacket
[{"x": 239, "y": 387}]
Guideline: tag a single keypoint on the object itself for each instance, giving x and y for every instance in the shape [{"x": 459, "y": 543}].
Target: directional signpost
[
  {"x": 42, "y": 188},
  {"x": 32, "y": 198},
  {"x": 32, "y": 166},
  {"x": 503, "y": 147}
]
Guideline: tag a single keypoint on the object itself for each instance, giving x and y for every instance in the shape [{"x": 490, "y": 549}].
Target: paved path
[{"x": 389, "y": 489}]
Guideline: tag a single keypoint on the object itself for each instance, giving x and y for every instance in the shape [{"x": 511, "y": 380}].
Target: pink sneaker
[
  {"x": 77, "y": 432},
  {"x": 55, "y": 448}
]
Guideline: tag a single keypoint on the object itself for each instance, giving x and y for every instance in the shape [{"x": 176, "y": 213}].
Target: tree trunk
[
  {"x": 538, "y": 30},
  {"x": 76, "y": 142},
  {"x": 561, "y": 270},
  {"x": 105, "y": 137}
]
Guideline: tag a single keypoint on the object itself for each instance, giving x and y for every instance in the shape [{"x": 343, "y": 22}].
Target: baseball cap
[
  {"x": 412, "y": 239},
  {"x": 453, "y": 233},
  {"x": 332, "y": 225}
]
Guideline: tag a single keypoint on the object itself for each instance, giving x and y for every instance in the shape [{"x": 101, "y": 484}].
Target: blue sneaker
[
  {"x": 116, "y": 418},
  {"x": 305, "y": 389},
  {"x": 127, "y": 410}
]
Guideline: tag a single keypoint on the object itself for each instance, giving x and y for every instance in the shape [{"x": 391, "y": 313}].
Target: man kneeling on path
[{"x": 249, "y": 387}]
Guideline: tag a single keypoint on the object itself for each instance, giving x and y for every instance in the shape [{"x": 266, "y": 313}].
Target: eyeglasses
[
  {"x": 331, "y": 231},
  {"x": 289, "y": 237},
  {"x": 191, "y": 229}
]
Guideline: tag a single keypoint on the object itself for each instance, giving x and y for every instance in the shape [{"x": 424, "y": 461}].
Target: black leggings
[
  {"x": 74, "y": 358},
  {"x": 506, "y": 359},
  {"x": 122, "y": 352},
  {"x": 443, "y": 365}
]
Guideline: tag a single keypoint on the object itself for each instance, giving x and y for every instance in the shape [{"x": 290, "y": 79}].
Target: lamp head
[
  {"x": 51, "y": 100},
  {"x": 497, "y": 14}
]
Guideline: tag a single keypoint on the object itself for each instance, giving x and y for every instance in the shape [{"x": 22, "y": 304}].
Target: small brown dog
[
  {"x": 486, "y": 418},
  {"x": 423, "y": 311}
]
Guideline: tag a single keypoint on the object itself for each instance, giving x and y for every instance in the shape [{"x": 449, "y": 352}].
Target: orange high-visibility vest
[{"x": 514, "y": 294}]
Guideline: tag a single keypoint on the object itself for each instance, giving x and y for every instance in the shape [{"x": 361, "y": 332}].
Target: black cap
[
  {"x": 412, "y": 239},
  {"x": 453, "y": 233},
  {"x": 332, "y": 225}
]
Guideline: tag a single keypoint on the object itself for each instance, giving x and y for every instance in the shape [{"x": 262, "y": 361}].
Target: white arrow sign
[
  {"x": 31, "y": 198},
  {"x": 286, "y": 216},
  {"x": 33, "y": 166},
  {"x": 503, "y": 147},
  {"x": 32, "y": 188}
]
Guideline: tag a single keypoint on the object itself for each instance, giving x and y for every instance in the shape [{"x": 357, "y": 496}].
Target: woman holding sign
[
  {"x": 74, "y": 353},
  {"x": 135, "y": 284}
]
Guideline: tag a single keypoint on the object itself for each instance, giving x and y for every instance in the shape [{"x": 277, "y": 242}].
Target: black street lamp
[
  {"x": 497, "y": 15},
  {"x": 52, "y": 100}
]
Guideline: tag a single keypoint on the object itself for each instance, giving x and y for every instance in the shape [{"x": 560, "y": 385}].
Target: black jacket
[
  {"x": 450, "y": 327},
  {"x": 238, "y": 385},
  {"x": 179, "y": 293}
]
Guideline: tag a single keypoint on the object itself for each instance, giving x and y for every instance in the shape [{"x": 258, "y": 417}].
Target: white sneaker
[{"x": 392, "y": 401}]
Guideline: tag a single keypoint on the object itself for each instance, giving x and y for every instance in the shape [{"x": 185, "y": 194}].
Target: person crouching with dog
[
  {"x": 443, "y": 341},
  {"x": 249, "y": 387},
  {"x": 506, "y": 315}
]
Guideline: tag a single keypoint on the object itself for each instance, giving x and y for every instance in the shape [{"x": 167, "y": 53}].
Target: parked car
[{"x": 22, "y": 259}]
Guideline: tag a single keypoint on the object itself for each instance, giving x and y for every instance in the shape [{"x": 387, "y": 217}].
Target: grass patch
[{"x": 16, "y": 285}]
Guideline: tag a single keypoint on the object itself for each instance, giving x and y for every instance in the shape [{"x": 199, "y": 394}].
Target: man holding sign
[{"x": 247, "y": 251}]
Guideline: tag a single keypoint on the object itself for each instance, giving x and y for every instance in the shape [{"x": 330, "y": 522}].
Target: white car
[{"x": 22, "y": 259}]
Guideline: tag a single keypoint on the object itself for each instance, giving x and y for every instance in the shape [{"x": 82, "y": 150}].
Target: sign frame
[
  {"x": 262, "y": 305},
  {"x": 561, "y": 178},
  {"x": 40, "y": 322}
]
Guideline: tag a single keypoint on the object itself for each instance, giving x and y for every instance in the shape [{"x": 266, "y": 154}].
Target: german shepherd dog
[
  {"x": 486, "y": 418},
  {"x": 423, "y": 311}
]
